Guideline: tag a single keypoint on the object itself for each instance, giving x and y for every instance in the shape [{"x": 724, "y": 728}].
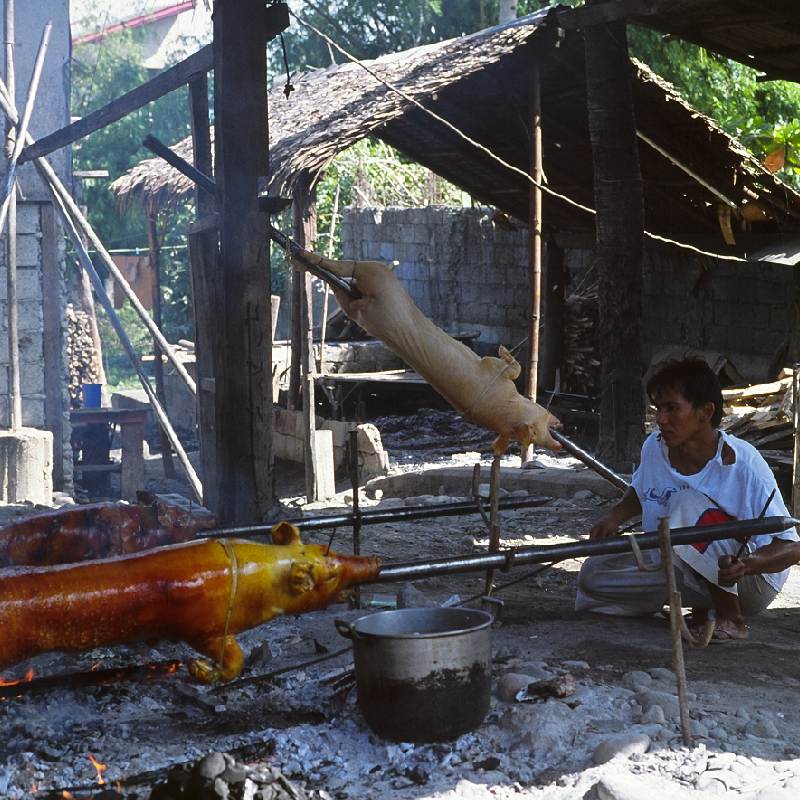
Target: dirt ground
[{"x": 744, "y": 718}]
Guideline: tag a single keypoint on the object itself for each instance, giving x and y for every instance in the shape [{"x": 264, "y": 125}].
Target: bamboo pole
[
  {"x": 534, "y": 241},
  {"x": 59, "y": 191},
  {"x": 12, "y": 310},
  {"x": 108, "y": 306},
  {"x": 22, "y": 130},
  {"x": 675, "y": 615}
]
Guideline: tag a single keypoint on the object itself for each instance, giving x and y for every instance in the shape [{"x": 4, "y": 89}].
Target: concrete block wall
[
  {"x": 288, "y": 437},
  {"x": 465, "y": 272},
  {"x": 461, "y": 269}
]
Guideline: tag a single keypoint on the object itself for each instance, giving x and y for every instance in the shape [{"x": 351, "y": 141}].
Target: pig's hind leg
[{"x": 224, "y": 663}]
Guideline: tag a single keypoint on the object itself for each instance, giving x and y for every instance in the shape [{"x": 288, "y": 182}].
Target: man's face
[{"x": 678, "y": 420}]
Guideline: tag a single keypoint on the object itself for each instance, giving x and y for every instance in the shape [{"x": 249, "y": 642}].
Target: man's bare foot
[{"x": 727, "y": 629}]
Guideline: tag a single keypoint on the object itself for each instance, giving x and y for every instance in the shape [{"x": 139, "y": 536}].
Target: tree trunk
[
  {"x": 619, "y": 241},
  {"x": 508, "y": 10}
]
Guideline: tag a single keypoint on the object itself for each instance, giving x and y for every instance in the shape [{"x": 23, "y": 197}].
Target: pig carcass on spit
[
  {"x": 202, "y": 593},
  {"x": 482, "y": 389},
  {"x": 98, "y": 530}
]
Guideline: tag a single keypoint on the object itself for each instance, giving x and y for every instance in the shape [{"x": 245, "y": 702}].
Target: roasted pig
[
  {"x": 202, "y": 593},
  {"x": 482, "y": 389},
  {"x": 77, "y": 533}
]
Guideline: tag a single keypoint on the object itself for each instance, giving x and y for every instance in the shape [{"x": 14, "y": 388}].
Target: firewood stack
[
  {"x": 80, "y": 354},
  {"x": 581, "y": 360},
  {"x": 762, "y": 414}
]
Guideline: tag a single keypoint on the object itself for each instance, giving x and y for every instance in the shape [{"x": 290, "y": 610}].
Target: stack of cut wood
[
  {"x": 581, "y": 362},
  {"x": 80, "y": 352},
  {"x": 762, "y": 413}
]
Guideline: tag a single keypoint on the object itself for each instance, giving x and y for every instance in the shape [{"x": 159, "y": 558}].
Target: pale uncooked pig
[{"x": 482, "y": 389}]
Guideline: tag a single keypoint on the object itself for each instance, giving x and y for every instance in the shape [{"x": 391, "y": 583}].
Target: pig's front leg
[{"x": 224, "y": 663}]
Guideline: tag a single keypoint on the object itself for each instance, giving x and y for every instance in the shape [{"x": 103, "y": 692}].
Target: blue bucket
[{"x": 92, "y": 394}]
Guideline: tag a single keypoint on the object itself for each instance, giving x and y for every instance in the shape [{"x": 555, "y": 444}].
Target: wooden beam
[
  {"x": 206, "y": 293},
  {"x": 244, "y": 382},
  {"x": 53, "y": 339},
  {"x": 164, "y": 83}
]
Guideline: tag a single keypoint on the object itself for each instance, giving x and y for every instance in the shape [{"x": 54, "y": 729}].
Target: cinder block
[
  {"x": 28, "y": 251},
  {"x": 31, "y": 316},
  {"x": 31, "y": 378},
  {"x": 26, "y": 466},
  {"x": 33, "y": 410},
  {"x": 28, "y": 220}
]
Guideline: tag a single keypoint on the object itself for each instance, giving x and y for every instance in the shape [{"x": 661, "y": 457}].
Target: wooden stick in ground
[
  {"x": 12, "y": 310},
  {"x": 675, "y": 615},
  {"x": 113, "y": 318},
  {"x": 796, "y": 459},
  {"x": 494, "y": 518},
  {"x": 64, "y": 198}
]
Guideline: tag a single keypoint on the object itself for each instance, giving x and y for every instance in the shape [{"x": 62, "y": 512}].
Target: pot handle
[{"x": 345, "y": 628}]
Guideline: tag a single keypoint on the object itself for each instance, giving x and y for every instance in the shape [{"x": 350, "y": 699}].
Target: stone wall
[
  {"x": 465, "y": 272},
  {"x": 288, "y": 437}
]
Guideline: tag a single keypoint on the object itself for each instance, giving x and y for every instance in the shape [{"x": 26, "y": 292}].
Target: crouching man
[{"x": 697, "y": 475}]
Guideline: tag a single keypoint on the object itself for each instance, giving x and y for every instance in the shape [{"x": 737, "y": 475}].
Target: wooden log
[{"x": 206, "y": 293}]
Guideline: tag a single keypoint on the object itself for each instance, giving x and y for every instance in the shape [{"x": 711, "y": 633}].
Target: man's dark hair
[{"x": 694, "y": 379}]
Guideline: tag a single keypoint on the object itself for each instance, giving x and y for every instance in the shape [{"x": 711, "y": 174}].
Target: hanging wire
[{"x": 492, "y": 155}]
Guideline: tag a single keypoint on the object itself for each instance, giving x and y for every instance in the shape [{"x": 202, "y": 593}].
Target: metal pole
[
  {"x": 539, "y": 554},
  {"x": 377, "y": 517},
  {"x": 590, "y": 461},
  {"x": 12, "y": 310},
  {"x": 675, "y": 613}
]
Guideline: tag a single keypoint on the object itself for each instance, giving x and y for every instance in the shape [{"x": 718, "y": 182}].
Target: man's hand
[
  {"x": 731, "y": 570},
  {"x": 605, "y": 528}
]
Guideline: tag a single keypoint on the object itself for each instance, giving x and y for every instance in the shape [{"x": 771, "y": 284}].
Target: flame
[
  {"x": 99, "y": 768},
  {"x": 65, "y": 795},
  {"x": 29, "y": 676}
]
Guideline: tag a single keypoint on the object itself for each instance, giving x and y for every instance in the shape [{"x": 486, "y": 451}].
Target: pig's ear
[{"x": 285, "y": 533}]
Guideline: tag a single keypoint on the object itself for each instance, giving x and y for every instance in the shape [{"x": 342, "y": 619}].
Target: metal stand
[
  {"x": 352, "y": 452},
  {"x": 494, "y": 519}
]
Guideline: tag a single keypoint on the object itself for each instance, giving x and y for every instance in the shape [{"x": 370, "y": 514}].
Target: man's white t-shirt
[{"x": 726, "y": 492}]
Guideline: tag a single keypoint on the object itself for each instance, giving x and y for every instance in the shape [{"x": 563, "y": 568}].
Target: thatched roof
[{"x": 480, "y": 83}]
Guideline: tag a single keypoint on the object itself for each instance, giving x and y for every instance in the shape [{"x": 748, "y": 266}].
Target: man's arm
[
  {"x": 776, "y": 556},
  {"x": 608, "y": 525}
]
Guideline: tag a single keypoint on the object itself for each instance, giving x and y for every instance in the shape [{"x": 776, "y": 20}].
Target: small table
[{"x": 131, "y": 423}]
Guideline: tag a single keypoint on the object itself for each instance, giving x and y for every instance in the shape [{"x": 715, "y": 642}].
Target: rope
[{"x": 488, "y": 152}]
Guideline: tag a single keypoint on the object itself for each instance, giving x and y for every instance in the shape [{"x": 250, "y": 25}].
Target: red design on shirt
[{"x": 711, "y": 516}]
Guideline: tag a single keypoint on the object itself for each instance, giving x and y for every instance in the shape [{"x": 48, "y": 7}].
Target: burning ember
[
  {"x": 29, "y": 676},
  {"x": 99, "y": 768}
]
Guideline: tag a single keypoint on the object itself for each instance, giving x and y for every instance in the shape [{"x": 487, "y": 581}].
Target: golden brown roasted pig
[
  {"x": 482, "y": 389},
  {"x": 99, "y": 530},
  {"x": 202, "y": 593}
]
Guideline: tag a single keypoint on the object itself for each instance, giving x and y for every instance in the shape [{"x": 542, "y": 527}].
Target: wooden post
[
  {"x": 295, "y": 338},
  {"x": 305, "y": 225},
  {"x": 619, "y": 241},
  {"x": 554, "y": 278},
  {"x": 14, "y": 390},
  {"x": 534, "y": 242},
  {"x": 206, "y": 295},
  {"x": 324, "y": 323},
  {"x": 154, "y": 248},
  {"x": 53, "y": 338},
  {"x": 244, "y": 310},
  {"x": 131, "y": 434}
]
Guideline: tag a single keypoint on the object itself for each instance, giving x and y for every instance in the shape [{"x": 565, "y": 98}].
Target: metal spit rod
[
  {"x": 539, "y": 554},
  {"x": 590, "y": 461},
  {"x": 378, "y": 516}
]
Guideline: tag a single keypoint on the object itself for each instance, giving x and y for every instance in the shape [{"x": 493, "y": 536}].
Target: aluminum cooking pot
[{"x": 422, "y": 675}]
